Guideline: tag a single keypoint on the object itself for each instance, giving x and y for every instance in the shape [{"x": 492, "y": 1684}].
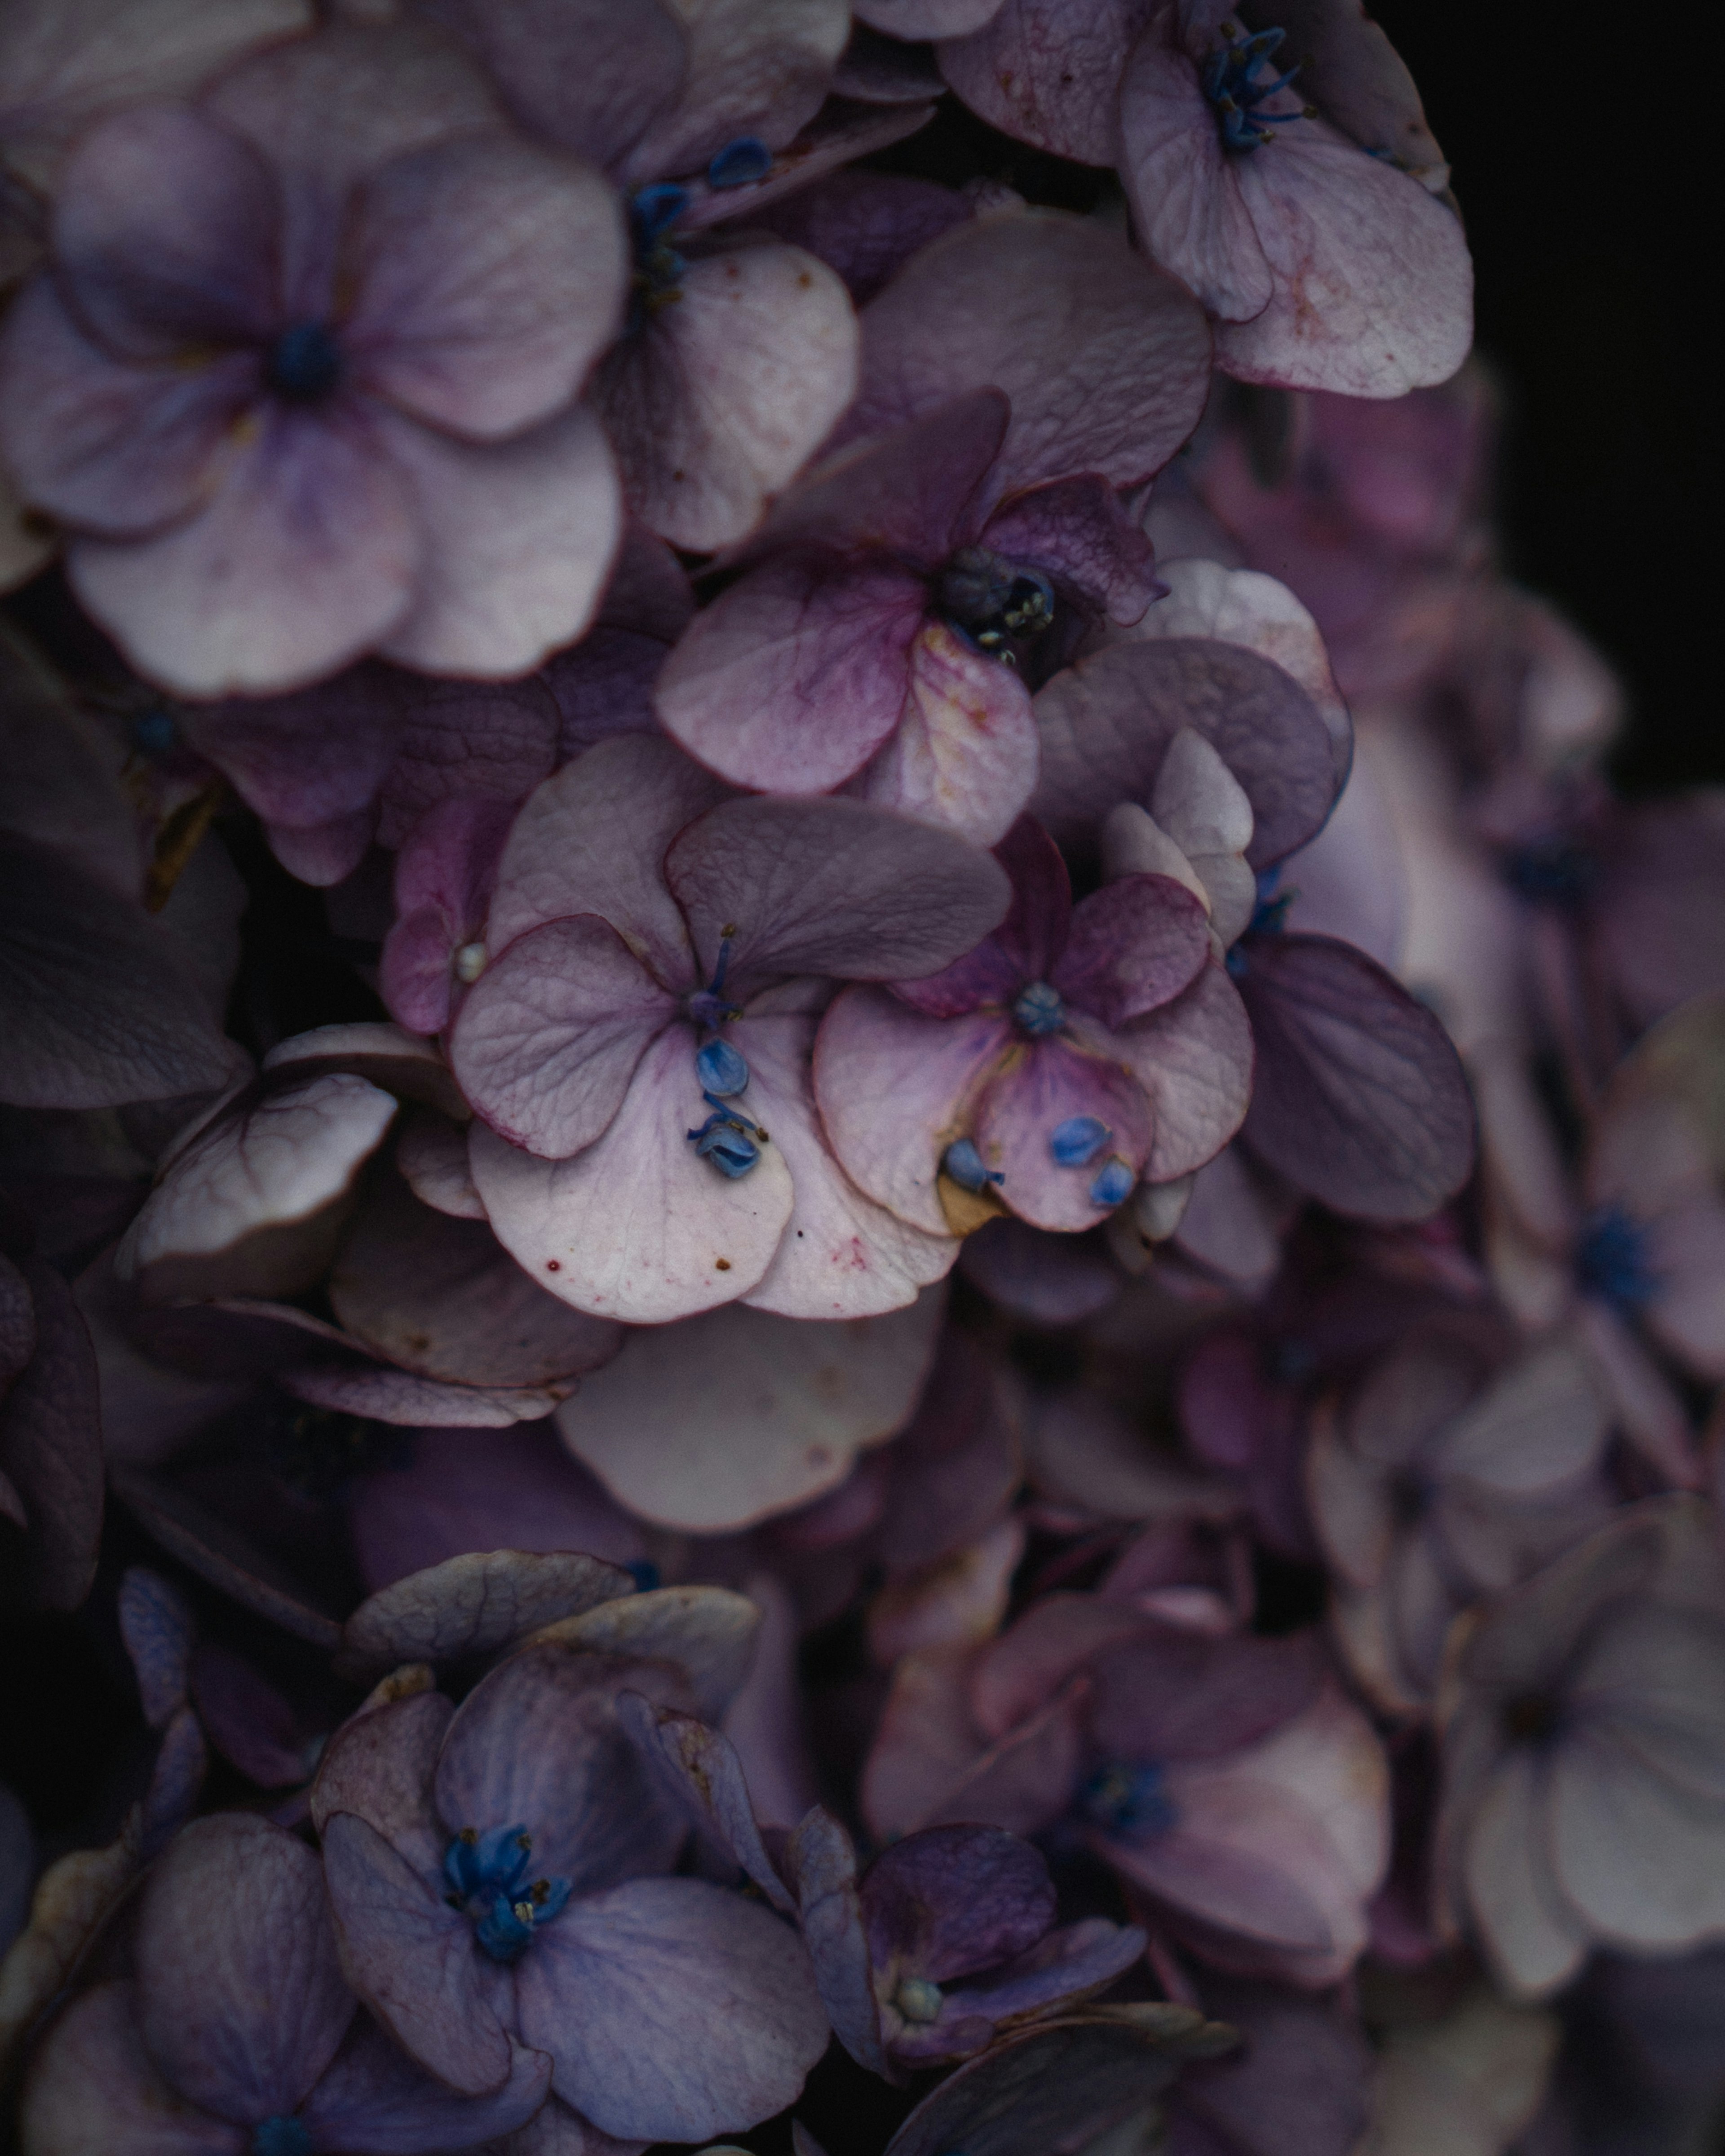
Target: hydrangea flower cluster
[{"x": 862, "y": 1217}]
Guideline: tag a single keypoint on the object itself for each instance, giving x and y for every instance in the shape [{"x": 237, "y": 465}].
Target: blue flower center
[
  {"x": 740, "y": 162},
  {"x": 994, "y": 602},
  {"x": 1232, "y": 79},
  {"x": 1126, "y": 1799},
  {"x": 657, "y": 277},
  {"x": 490, "y": 1878},
  {"x": 280, "y": 2137},
  {"x": 304, "y": 365},
  {"x": 1038, "y": 1010},
  {"x": 1556, "y": 873},
  {"x": 1611, "y": 1259}
]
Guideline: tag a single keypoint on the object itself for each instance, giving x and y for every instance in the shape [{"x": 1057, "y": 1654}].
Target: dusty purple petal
[
  {"x": 604, "y": 686},
  {"x": 821, "y": 1864},
  {"x": 761, "y": 67},
  {"x": 701, "y": 1773},
  {"x": 798, "y": 674},
  {"x": 1106, "y": 361},
  {"x": 110, "y": 446},
  {"x": 547, "y": 1043},
  {"x": 305, "y": 556},
  {"x": 248, "y": 1721},
  {"x": 1133, "y": 945},
  {"x": 440, "y": 1297},
  {"x": 175, "y": 1779},
  {"x": 93, "y": 2085},
  {"x": 1065, "y": 2084},
  {"x": 892, "y": 1087},
  {"x": 474, "y": 1604},
  {"x": 1048, "y": 73},
  {"x": 966, "y": 751},
  {"x": 1077, "y": 530},
  {"x": 489, "y": 273},
  {"x": 378, "y": 1766},
  {"x": 98, "y": 1006},
  {"x": 515, "y": 539},
  {"x": 906, "y": 493},
  {"x": 243, "y": 2017},
  {"x": 1168, "y": 1697},
  {"x": 591, "y": 77},
  {"x": 1058, "y": 1973},
  {"x": 867, "y": 225},
  {"x": 308, "y": 758},
  {"x": 838, "y": 136},
  {"x": 205, "y": 1546},
  {"x": 874, "y": 69},
  {"x": 444, "y": 877},
  {"x": 413, "y": 1961},
  {"x": 840, "y": 1255},
  {"x": 835, "y": 887},
  {"x": 1305, "y": 2079},
  {"x": 378, "y": 1394},
  {"x": 1373, "y": 285},
  {"x": 1106, "y": 724},
  {"x": 477, "y": 744},
  {"x": 715, "y": 402},
  {"x": 1194, "y": 1060},
  {"x": 1040, "y": 1278},
  {"x": 591, "y": 840},
  {"x": 952, "y": 1900},
  {"x": 1189, "y": 200},
  {"x": 1022, "y": 1104},
  {"x": 51, "y": 1449},
  {"x": 638, "y": 1227},
  {"x": 539, "y": 1742},
  {"x": 514, "y": 1489},
  {"x": 373, "y": 2101},
  {"x": 673, "y": 2009},
  {"x": 740, "y": 1414},
  {"x": 707, "y": 1636},
  {"x": 157, "y": 1625},
  {"x": 1359, "y": 1096}
]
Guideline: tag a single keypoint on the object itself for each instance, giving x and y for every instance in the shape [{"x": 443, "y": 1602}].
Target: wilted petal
[
  {"x": 714, "y": 404},
  {"x": 245, "y": 2017},
  {"x": 709, "y": 1633},
  {"x": 475, "y": 1605},
  {"x": 738, "y": 1414},
  {"x": 820, "y": 1861},
  {"x": 379, "y": 1766},
  {"x": 673, "y": 2009}
]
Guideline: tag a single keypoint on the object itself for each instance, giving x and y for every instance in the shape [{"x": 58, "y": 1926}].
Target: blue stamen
[
  {"x": 747, "y": 158},
  {"x": 1126, "y": 1799},
  {"x": 304, "y": 364},
  {"x": 722, "y": 1071},
  {"x": 652, "y": 211},
  {"x": 280, "y": 2136},
  {"x": 657, "y": 279},
  {"x": 963, "y": 1164},
  {"x": 645, "y": 1575},
  {"x": 488, "y": 1878},
  {"x": 1229, "y": 80},
  {"x": 1038, "y": 1010},
  {"x": 1113, "y": 1184},
  {"x": 728, "y": 1138},
  {"x": 1076, "y": 1142},
  {"x": 1611, "y": 1259},
  {"x": 707, "y": 1006}
]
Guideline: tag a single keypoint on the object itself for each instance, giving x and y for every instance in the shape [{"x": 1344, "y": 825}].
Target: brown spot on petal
[
  {"x": 721, "y": 1265},
  {"x": 553, "y": 1265}
]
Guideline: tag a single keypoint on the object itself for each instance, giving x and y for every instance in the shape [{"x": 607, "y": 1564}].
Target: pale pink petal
[
  {"x": 756, "y": 67},
  {"x": 715, "y": 403},
  {"x": 1049, "y": 72},
  {"x": 516, "y": 537},
  {"x": 1194, "y": 1060},
  {"x": 639, "y": 1226},
  {"x": 965, "y": 749},
  {"x": 1636, "y": 1856},
  {"x": 1133, "y": 947},
  {"x": 1079, "y": 530},
  {"x": 1019, "y": 1108},
  {"x": 893, "y": 1088},
  {"x": 1533, "y": 1939}
]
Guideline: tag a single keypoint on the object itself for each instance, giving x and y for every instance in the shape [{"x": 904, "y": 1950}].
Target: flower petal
[
  {"x": 93, "y": 2085},
  {"x": 373, "y": 2102},
  {"x": 1044, "y": 1085}
]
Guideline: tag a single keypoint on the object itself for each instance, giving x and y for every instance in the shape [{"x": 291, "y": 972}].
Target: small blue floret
[
  {"x": 1076, "y": 1142},
  {"x": 1611, "y": 1259},
  {"x": 747, "y": 158},
  {"x": 489, "y": 1878},
  {"x": 722, "y": 1071},
  {"x": 1127, "y": 1798},
  {"x": 1230, "y": 80},
  {"x": 963, "y": 1163},
  {"x": 1038, "y": 1010},
  {"x": 1113, "y": 1184},
  {"x": 280, "y": 2136},
  {"x": 304, "y": 364}
]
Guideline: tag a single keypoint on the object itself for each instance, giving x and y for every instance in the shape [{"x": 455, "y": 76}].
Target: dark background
[{"x": 1591, "y": 200}]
